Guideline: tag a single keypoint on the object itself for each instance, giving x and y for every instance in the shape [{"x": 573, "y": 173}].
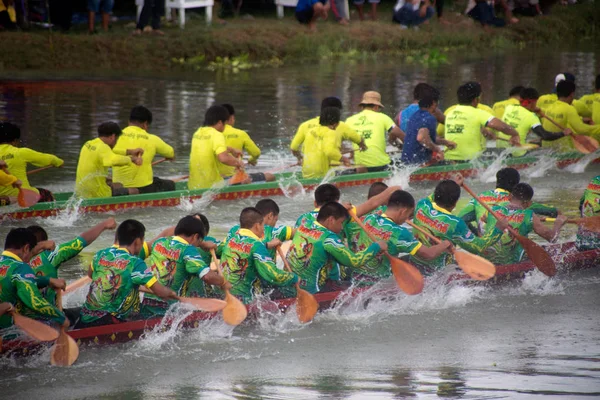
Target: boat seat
[{"x": 182, "y": 5}]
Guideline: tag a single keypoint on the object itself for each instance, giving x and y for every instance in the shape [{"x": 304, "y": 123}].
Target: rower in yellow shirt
[
  {"x": 441, "y": 127},
  {"x": 95, "y": 158},
  {"x": 17, "y": 158},
  {"x": 547, "y": 99},
  {"x": 6, "y": 179},
  {"x": 209, "y": 150},
  {"x": 136, "y": 137},
  {"x": 513, "y": 98},
  {"x": 373, "y": 126},
  {"x": 585, "y": 104},
  {"x": 240, "y": 140},
  {"x": 563, "y": 113}
]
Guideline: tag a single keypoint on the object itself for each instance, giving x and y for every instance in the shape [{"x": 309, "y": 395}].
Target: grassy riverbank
[{"x": 262, "y": 41}]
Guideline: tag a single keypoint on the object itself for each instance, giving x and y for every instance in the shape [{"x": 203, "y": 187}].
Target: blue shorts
[
  {"x": 359, "y": 2},
  {"x": 105, "y": 5}
]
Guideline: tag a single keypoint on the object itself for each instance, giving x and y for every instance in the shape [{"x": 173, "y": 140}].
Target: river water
[{"x": 534, "y": 338}]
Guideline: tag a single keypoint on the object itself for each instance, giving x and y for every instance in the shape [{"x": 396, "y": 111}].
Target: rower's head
[
  {"x": 252, "y": 219},
  {"x": 140, "y": 116},
  {"x": 204, "y": 220},
  {"x": 231, "y": 111},
  {"x": 21, "y": 242},
  {"x": 446, "y": 194},
  {"x": 376, "y": 189},
  {"x": 269, "y": 210},
  {"x": 331, "y": 102},
  {"x": 423, "y": 89},
  {"x": 469, "y": 93},
  {"x": 330, "y": 117},
  {"x": 565, "y": 90},
  {"x": 401, "y": 206},
  {"x": 507, "y": 178},
  {"x": 191, "y": 229},
  {"x": 130, "y": 235},
  {"x": 428, "y": 103},
  {"x": 332, "y": 216},
  {"x": 9, "y": 133},
  {"x": 563, "y": 76},
  {"x": 371, "y": 100},
  {"x": 516, "y": 92},
  {"x": 39, "y": 232},
  {"x": 326, "y": 193},
  {"x": 216, "y": 116},
  {"x": 521, "y": 195},
  {"x": 529, "y": 97},
  {"x": 109, "y": 133}
]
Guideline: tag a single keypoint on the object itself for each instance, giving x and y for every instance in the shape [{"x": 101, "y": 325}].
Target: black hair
[
  {"x": 565, "y": 88},
  {"x": 401, "y": 199},
  {"x": 468, "y": 92},
  {"x": 529, "y": 94},
  {"x": 130, "y": 230},
  {"x": 507, "y": 178},
  {"x": 331, "y": 102},
  {"x": 39, "y": 232},
  {"x": 329, "y": 116},
  {"x": 110, "y": 128},
  {"x": 249, "y": 217},
  {"x": 332, "y": 209},
  {"x": 376, "y": 188},
  {"x": 18, "y": 238},
  {"x": 426, "y": 101},
  {"x": 326, "y": 193},
  {"x": 421, "y": 90},
  {"x": 204, "y": 220},
  {"x": 598, "y": 82},
  {"x": 189, "y": 226},
  {"x": 522, "y": 192},
  {"x": 9, "y": 132},
  {"x": 266, "y": 206},
  {"x": 446, "y": 193},
  {"x": 229, "y": 108},
  {"x": 215, "y": 114},
  {"x": 140, "y": 114},
  {"x": 516, "y": 91},
  {"x": 569, "y": 76}
]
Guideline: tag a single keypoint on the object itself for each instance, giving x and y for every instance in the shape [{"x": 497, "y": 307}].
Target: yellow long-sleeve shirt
[
  {"x": 584, "y": 105},
  {"x": 7, "y": 179},
  {"x": 566, "y": 115},
  {"x": 94, "y": 160},
  {"x": 133, "y": 137},
  {"x": 207, "y": 144},
  {"x": 546, "y": 100},
  {"x": 500, "y": 106},
  {"x": 17, "y": 159},
  {"x": 343, "y": 129},
  {"x": 240, "y": 140}
]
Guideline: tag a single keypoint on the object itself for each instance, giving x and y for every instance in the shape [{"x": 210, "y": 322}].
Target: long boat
[
  {"x": 566, "y": 256},
  {"x": 64, "y": 201}
]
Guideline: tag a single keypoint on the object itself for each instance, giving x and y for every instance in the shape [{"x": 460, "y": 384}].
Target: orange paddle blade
[
  {"x": 306, "y": 305},
  {"x": 585, "y": 144},
  {"x": 537, "y": 255},
  {"x": 65, "y": 351},
  {"x": 239, "y": 177},
  {"x": 407, "y": 276},
  {"x": 28, "y": 197},
  {"x": 209, "y": 305},
  {"x": 235, "y": 311},
  {"x": 35, "y": 329},
  {"x": 475, "y": 266},
  {"x": 588, "y": 223}
]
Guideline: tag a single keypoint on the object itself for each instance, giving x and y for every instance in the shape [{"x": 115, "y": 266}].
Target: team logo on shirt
[{"x": 436, "y": 225}]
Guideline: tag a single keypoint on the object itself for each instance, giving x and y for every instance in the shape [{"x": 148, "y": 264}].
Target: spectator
[
  {"x": 308, "y": 11},
  {"x": 154, "y": 9},
  {"x": 483, "y": 12},
  {"x": 412, "y": 12},
  {"x": 360, "y": 7},
  {"x": 94, "y": 6},
  {"x": 527, "y": 8},
  {"x": 439, "y": 9},
  {"x": 8, "y": 16}
]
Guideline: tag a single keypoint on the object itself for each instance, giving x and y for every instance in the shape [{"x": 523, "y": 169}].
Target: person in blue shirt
[
  {"x": 308, "y": 11},
  {"x": 421, "y": 140},
  {"x": 421, "y": 90}
]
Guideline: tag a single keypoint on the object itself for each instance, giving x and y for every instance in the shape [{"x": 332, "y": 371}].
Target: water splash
[
  {"x": 291, "y": 187},
  {"x": 580, "y": 166},
  {"x": 167, "y": 330},
  {"x": 188, "y": 205},
  {"x": 401, "y": 176},
  {"x": 545, "y": 163},
  {"x": 67, "y": 216},
  {"x": 489, "y": 173}
]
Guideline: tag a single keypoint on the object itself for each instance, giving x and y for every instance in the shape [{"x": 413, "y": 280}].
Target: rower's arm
[
  {"x": 162, "y": 148},
  {"x": 266, "y": 268},
  {"x": 24, "y": 281},
  {"x": 230, "y": 160},
  {"x": 344, "y": 256},
  {"x": 543, "y": 209},
  {"x": 546, "y": 135},
  {"x": 503, "y": 127},
  {"x": 252, "y": 149},
  {"x": 170, "y": 231},
  {"x": 550, "y": 234},
  {"x": 298, "y": 139},
  {"x": 7, "y": 179},
  {"x": 474, "y": 244},
  {"x": 396, "y": 133},
  {"x": 375, "y": 201},
  {"x": 195, "y": 265},
  {"x": 162, "y": 291},
  {"x": 424, "y": 138},
  {"x": 430, "y": 253},
  {"x": 92, "y": 234},
  {"x": 439, "y": 116},
  {"x": 39, "y": 159},
  {"x": 578, "y": 126}
]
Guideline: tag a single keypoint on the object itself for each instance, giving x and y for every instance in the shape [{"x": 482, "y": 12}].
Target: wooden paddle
[
  {"x": 306, "y": 304},
  {"x": 35, "y": 329},
  {"x": 588, "y": 223},
  {"x": 181, "y": 178},
  {"x": 35, "y": 171},
  {"x": 71, "y": 287},
  {"x": 27, "y": 197},
  {"x": 475, "y": 266},
  {"x": 159, "y": 161},
  {"x": 201, "y": 303},
  {"x": 583, "y": 144},
  {"x": 240, "y": 175},
  {"x": 408, "y": 278},
  {"x": 535, "y": 252},
  {"x": 235, "y": 311},
  {"x": 65, "y": 351}
]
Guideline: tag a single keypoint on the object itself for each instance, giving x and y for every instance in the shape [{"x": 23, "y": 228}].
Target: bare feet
[
  {"x": 344, "y": 21},
  {"x": 312, "y": 27},
  {"x": 513, "y": 20},
  {"x": 158, "y": 32},
  {"x": 137, "y": 32}
]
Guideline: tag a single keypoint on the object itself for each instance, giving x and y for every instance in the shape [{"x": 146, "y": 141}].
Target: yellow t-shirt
[
  {"x": 240, "y": 140},
  {"x": 546, "y": 100},
  {"x": 346, "y": 132},
  {"x": 463, "y": 126},
  {"x": 440, "y": 130},
  {"x": 320, "y": 150},
  {"x": 17, "y": 158},
  {"x": 566, "y": 115},
  {"x": 133, "y": 137},
  {"x": 522, "y": 120},
  {"x": 596, "y": 109},
  {"x": 7, "y": 179},
  {"x": 583, "y": 105},
  {"x": 207, "y": 144},
  {"x": 500, "y": 106},
  {"x": 373, "y": 128},
  {"x": 95, "y": 158}
]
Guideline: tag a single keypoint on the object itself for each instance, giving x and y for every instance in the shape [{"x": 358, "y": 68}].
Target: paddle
[
  {"x": 159, "y": 161},
  {"x": 181, "y": 178},
  {"x": 65, "y": 351},
  {"x": 283, "y": 168},
  {"x": 71, "y": 287},
  {"x": 27, "y": 197},
  {"x": 408, "y": 278},
  {"x": 201, "y": 303},
  {"x": 583, "y": 144},
  {"x": 235, "y": 311},
  {"x": 306, "y": 304},
  {"x": 475, "y": 266},
  {"x": 524, "y": 146},
  {"x": 35, "y": 171},
  {"x": 240, "y": 175},
  {"x": 589, "y": 223},
  {"x": 35, "y": 329},
  {"x": 535, "y": 252}
]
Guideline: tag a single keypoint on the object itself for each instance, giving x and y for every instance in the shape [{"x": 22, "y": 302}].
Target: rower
[
  {"x": 135, "y": 140},
  {"x": 508, "y": 250},
  {"x": 464, "y": 125},
  {"x": 240, "y": 140},
  {"x": 177, "y": 263},
  {"x": 563, "y": 113},
  {"x": 589, "y": 206},
  {"x": 400, "y": 240},
  {"x": 209, "y": 150},
  {"x": 421, "y": 140},
  {"x": 596, "y": 103},
  {"x": 585, "y": 104},
  {"x": 246, "y": 260},
  {"x": 17, "y": 158},
  {"x": 18, "y": 283},
  {"x": 420, "y": 91},
  {"x": 317, "y": 249},
  {"x": 6, "y": 179},
  {"x": 96, "y": 157},
  {"x": 547, "y": 99},
  {"x": 117, "y": 273},
  {"x": 484, "y": 131},
  {"x": 514, "y": 97},
  {"x": 375, "y": 189},
  {"x": 435, "y": 215},
  {"x": 373, "y": 126},
  {"x": 208, "y": 242}
]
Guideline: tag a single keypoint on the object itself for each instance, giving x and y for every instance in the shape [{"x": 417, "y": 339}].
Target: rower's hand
[
  {"x": 137, "y": 160},
  {"x": 235, "y": 152},
  {"x": 450, "y": 144},
  {"x": 362, "y": 145},
  {"x": 447, "y": 244},
  {"x": 489, "y": 134},
  {"x": 458, "y": 178},
  {"x": 226, "y": 285},
  {"x": 346, "y": 161},
  {"x": 383, "y": 245},
  {"x": 273, "y": 244},
  {"x": 502, "y": 224},
  {"x": 240, "y": 164},
  {"x": 3, "y": 164},
  {"x": 17, "y": 184},
  {"x": 44, "y": 245},
  {"x": 5, "y": 308},
  {"x": 561, "y": 219},
  {"x": 110, "y": 223},
  {"x": 66, "y": 324},
  {"x": 208, "y": 246},
  {"x": 58, "y": 284},
  {"x": 135, "y": 152},
  {"x": 515, "y": 141},
  {"x": 568, "y": 132},
  {"x": 252, "y": 162},
  {"x": 348, "y": 206}
]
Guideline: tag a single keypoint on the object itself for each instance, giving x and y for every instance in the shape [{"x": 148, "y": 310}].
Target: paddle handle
[
  {"x": 286, "y": 264},
  {"x": 35, "y": 171},
  {"x": 488, "y": 208},
  {"x": 71, "y": 287},
  {"x": 59, "y": 299},
  {"x": 274, "y": 170},
  {"x": 182, "y": 178},
  {"x": 553, "y": 122},
  {"x": 159, "y": 161},
  {"x": 216, "y": 261}
]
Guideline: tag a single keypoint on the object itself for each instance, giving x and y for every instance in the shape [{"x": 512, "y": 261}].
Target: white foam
[
  {"x": 66, "y": 217},
  {"x": 545, "y": 163},
  {"x": 489, "y": 174},
  {"x": 579, "y": 166}
]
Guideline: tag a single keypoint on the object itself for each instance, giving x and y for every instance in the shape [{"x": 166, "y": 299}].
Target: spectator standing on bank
[
  {"x": 154, "y": 9},
  {"x": 95, "y": 6}
]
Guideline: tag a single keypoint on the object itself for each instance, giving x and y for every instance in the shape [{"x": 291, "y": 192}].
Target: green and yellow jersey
[
  {"x": 590, "y": 207},
  {"x": 508, "y": 250}
]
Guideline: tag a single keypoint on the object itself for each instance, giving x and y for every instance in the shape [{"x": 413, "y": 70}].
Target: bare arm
[
  {"x": 498, "y": 125},
  {"x": 424, "y": 138},
  {"x": 396, "y": 134},
  {"x": 213, "y": 278},
  {"x": 550, "y": 234},
  {"x": 92, "y": 234},
  {"x": 230, "y": 160},
  {"x": 375, "y": 201},
  {"x": 163, "y": 292},
  {"x": 429, "y": 253}
]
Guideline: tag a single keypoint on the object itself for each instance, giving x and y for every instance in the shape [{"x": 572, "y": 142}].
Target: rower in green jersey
[
  {"x": 175, "y": 262},
  {"x": 434, "y": 214},
  {"x": 514, "y": 96},
  {"x": 589, "y": 206},
  {"x": 400, "y": 240},
  {"x": 117, "y": 273},
  {"x": 518, "y": 214},
  {"x": 246, "y": 260},
  {"x": 18, "y": 284}
]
